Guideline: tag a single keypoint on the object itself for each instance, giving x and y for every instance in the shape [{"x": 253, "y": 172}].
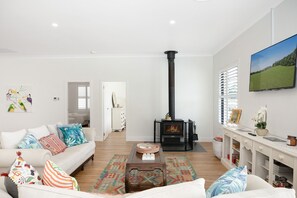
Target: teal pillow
[
  {"x": 234, "y": 180},
  {"x": 73, "y": 134},
  {"x": 29, "y": 142}
]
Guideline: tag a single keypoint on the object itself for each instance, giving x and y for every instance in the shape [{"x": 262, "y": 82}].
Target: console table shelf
[{"x": 274, "y": 162}]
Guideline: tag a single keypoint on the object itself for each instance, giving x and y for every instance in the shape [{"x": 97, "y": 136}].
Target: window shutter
[{"x": 228, "y": 88}]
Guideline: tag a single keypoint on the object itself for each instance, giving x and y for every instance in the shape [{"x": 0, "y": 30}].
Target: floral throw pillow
[
  {"x": 29, "y": 142},
  {"x": 54, "y": 176},
  {"x": 234, "y": 180},
  {"x": 73, "y": 134},
  {"x": 21, "y": 173}
]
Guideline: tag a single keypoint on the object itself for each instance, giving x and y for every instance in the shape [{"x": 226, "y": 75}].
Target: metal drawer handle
[
  {"x": 281, "y": 157},
  {"x": 260, "y": 148}
]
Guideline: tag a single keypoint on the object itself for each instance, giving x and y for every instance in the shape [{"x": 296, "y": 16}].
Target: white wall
[
  {"x": 146, "y": 79},
  {"x": 282, "y": 104}
]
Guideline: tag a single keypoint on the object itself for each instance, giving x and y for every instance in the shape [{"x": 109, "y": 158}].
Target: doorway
[
  {"x": 114, "y": 107},
  {"x": 79, "y": 98}
]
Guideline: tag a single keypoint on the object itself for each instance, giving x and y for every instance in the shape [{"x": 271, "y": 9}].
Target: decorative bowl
[{"x": 147, "y": 148}]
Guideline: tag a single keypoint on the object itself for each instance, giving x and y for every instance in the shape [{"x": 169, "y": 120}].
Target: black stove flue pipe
[{"x": 171, "y": 82}]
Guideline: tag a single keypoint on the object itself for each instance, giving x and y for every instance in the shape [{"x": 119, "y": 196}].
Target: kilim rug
[{"x": 112, "y": 178}]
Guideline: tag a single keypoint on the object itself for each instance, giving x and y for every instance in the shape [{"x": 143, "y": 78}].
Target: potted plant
[{"x": 261, "y": 122}]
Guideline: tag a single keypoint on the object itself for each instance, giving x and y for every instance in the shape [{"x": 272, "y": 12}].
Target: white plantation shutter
[{"x": 227, "y": 93}]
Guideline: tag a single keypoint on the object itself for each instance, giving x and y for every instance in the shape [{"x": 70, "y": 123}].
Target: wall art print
[{"x": 19, "y": 99}]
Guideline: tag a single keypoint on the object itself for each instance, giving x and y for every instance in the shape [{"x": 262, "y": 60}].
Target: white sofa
[
  {"x": 72, "y": 159},
  {"x": 256, "y": 188}
]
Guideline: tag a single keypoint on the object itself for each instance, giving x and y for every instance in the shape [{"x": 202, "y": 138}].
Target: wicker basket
[{"x": 147, "y": 148}]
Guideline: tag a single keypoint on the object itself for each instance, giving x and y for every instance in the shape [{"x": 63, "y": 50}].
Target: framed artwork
[
  {"x": 235, "y": 116},
  {"x": 19, "y": 99}
]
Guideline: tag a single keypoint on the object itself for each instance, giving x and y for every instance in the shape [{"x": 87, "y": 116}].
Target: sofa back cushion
[
  {"x": 10, "y": 140},
  {"x": 39, "y": 132}
]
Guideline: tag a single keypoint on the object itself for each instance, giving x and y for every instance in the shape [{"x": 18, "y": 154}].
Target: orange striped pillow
[{"x": 54, "y": 176}]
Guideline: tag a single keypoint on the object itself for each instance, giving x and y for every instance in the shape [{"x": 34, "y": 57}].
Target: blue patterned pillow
[
  {"x": 234, "y": 180},
  {"x": 73, "y": 134},
  {"x": 29, "y": 142}
]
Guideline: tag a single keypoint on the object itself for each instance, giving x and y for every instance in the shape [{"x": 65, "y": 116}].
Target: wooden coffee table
[{"x": 144, "y": 174}]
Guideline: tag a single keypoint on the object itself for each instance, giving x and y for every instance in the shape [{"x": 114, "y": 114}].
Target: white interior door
[{"x": 107, "y": 105}]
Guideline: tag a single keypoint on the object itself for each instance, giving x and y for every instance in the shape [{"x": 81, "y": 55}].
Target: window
[
  {"x": 83, "y": 102},
  {"x": 227, "y": 93}
]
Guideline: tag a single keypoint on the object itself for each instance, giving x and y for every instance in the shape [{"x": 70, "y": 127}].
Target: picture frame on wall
[{"x": 19, "y": 99}]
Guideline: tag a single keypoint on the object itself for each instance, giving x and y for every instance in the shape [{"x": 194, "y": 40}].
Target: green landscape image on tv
[{"x": 274, "y": 67}]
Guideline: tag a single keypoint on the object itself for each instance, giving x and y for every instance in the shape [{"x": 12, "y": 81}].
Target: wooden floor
[{"x": 206, "y": 165}]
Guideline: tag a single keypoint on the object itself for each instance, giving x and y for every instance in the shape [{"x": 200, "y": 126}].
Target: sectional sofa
[
  {"x": 256, "y": 188},
  {"x": 71, "y": 160}
]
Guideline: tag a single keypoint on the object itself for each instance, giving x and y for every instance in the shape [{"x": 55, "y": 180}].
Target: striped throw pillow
[
  {"x": 53, "y": 143},
  {"x": 54, "y": 176}
]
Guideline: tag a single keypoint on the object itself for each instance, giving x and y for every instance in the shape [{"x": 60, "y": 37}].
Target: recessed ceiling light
[
  {"x": 172, "y": 22},
  {"x": 93, "y": 52},
  {"x": 55, "y": 25}
]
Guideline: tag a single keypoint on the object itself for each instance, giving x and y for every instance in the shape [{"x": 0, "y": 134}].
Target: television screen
[{"x": 274, "y": 67}]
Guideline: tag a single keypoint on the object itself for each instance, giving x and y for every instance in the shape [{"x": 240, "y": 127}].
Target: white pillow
[
  {"x": 39, "y": 132},
  {"x": 187, "y": 189},
  {"x": 10, "y": 140},
  {"x": 53, "y": 129}
]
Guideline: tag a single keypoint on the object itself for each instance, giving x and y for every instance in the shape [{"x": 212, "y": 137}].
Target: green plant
[{"x": 261, "y": 125}]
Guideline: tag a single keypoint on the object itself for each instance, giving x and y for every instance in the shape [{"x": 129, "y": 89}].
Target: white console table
[{"x": 267, "y": 159}]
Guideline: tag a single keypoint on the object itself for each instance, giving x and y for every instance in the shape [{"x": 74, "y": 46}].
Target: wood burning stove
[
  {"x": 172, "y": 127},
  {"x": 174, "y": 131}
]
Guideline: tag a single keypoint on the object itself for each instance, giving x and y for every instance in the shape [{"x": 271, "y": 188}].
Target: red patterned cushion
[{"x": 53, "y": 143}]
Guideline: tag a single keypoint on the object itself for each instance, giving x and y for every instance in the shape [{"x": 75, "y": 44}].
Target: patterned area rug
[{"x": 112, "y": 178}]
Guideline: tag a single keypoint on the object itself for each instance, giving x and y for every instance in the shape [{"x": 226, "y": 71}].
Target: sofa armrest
[
  {"x": 89, "y": 133},
  {"x": 35, "y": 157},
  {"x": 254, "y": 182}
]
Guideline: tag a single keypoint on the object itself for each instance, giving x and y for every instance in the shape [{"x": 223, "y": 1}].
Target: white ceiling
[{"x": 124, "y": 27}]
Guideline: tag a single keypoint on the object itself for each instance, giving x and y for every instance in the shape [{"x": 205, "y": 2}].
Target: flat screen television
[{"x": 274, "y": 67}]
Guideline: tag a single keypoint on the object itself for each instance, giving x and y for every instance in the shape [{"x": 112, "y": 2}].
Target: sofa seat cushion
[
  {"x": 74, "y": 156},
  {"x": 4, "y": 194}
]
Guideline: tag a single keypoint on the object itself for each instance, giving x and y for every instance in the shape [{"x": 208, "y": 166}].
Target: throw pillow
[
  {"x": 234, "y": 180},
  {"x": 29, "y": 142},
  {"x": 10, "y": 140},
  {"x": 54, "y": 176},
  {"x": 53, "y": 144},
  {"x": 20, "y": 173},
  {"x": 73, "y": 135},
  {"x": 39, "y": 132}
]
